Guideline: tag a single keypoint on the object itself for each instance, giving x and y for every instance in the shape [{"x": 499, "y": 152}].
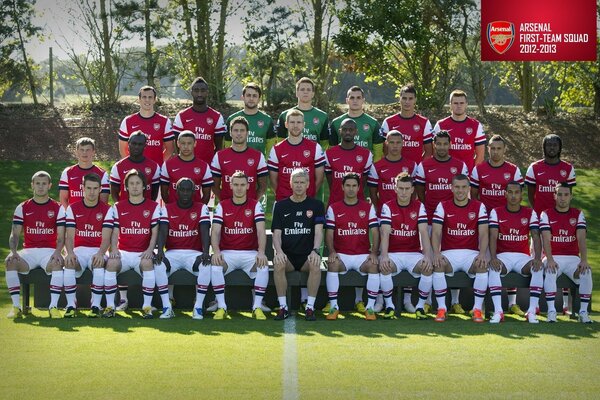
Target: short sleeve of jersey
[
  {"x": 465, "y": 170},
  {"x": 480, "y": 136},
  {"x": 475, "y": 177},
  {"x": 215, "y": 165},
  {"x": 218, "y": 215},
  {"x": 63, "y": 183},
  {"x": 422, "y": 218},
  {"x": 123, "y": 132},
  {"x": 368, "y": 164},
  {"x": 319, "y": 156},
  {"x": 373, "y": 221},
  {"x": 114, "y": 175},
  {"x": 439, "y": 214},
  {"x": 156, "y": 176},
  {"x": 177, "y": 123},
  {"x": 420, "y": 174},
  {"x": 164, "y": 174},
  {"x": 207, "y": 179},
  {"x": 205, "y": 215},
  {"x": 427, "y": 133},
  {"x": 220, "y": 128},
  {"x": 483, "y": 217},
  {"x": 494, "y": 219},
  {"x": 530, "y": 175},
  {"x": 518, "y": 177},
  {"x": 61, "y": 219},
  {"x": 109, "y": 219},
  {"x": 544, "y": 225},
  {"x": 259, "y": 212},
  {"x": 262, "y": 166},
  {"x": 386, "y": 215},
  {"x": 273, "y": 162},
  {"x": 155, "y": 216},
  {"x": 581, "y": 224},
  {"x": 534, "y": 223},
  {"x": 330, "y": 218},
  {"x": 18, "y": 215},
  {"x": 373, "y": 178},
  {"x": 69, "y": 218},
  {"x": 164, "y": 215},
  {"x": 169, "y": 134}
]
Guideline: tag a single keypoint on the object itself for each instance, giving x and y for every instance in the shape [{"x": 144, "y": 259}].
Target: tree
[{"x": 15, "y": 31}]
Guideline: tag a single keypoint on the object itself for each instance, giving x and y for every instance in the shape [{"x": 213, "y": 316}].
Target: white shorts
[
  {"x": 353, "y": 262},
  {"x": 131, "y": 260},
  {"x": 460, "y": 260},
  {"x": 514, "y": 262},
  {"x": 37, "y": 258},
  {"x": 566, "y": 265},
  {"x": 182, "y": 259},
  {"x": 406, "y": 262},
  {"x": 84, "y": 258},
  {"x": 240, "y": 259}
]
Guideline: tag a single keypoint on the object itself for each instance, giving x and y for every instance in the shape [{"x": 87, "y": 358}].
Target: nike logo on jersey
[
  {"x": 287, "y": 215},
  {"x": 228, "y": 214},
  {"x": 125, "y": 213},
  {"x": 503, "y": 221},
  {"x": 73, "y": 177},
  {"x": 553, "y": 222},
  {"x": 79, "y": 215},
  {"x": 384, "y": 170},
  {"x": 284, "y": 155},
  {"x": 484, "y": 176},
  {"x": 335, "y": 159},
  {"x": 134, "y": 126},
  {"x": 28, "y": 213},
  {"x": 541, "y": 173},
  {"x": 395, "y": 215},
  {"x": 176, "y": 169},
  {"x": 450, "y": 215},
  {"x": 226, "y": 162},
  {"x": 431, "y": 170},
  {"x": 341, "y": 215},
  {"x": 189, "y": 120}
]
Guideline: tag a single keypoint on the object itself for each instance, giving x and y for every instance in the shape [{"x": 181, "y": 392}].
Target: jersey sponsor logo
[
  {"x": 472, "y": 216},
  {"x": 251, "y": 161},
  {"x": 506, "y": 176},
  {"x": 51, "y": 214},
  {"x": 362, "y": 214},
  {"x": 309, "y": 213},
  {"x": 416, "y": 127},
  {"x": 524, "y": 221},
  {"x": 156, "y": 126},
  {"x": 247, "y": 212},
  {"x": 413, "y": 215},
  {"x": 209, "y": 121},
  {"x": 572, "y": 221},
  {"x": 306, "y": 153},
  {"x": 193, "y": 215},
  {"x": 148, "y": 170},
  {"x": 453, "y": 170},
  {"x": 469, "y": 131},
  {"x": 260, "y": 124},
  {"x": 146, "y": 213},
  {"x": 563, "y": 173},
  {"x": 316, "y": 120},
  {"x": 197, "y": 170},
  {"x": 359, "y": 159}
]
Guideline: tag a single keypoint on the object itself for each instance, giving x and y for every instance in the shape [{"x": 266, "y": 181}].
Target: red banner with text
[{"x": 538, "y": 30}]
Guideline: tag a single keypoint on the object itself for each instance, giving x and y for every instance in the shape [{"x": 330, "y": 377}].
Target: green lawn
[{"x": 351, "y": 358}]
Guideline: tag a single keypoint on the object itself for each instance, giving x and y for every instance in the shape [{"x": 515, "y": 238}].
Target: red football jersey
[
  {"x": 157, "y": 129},
  {"x": 563, "y": 226},
  {"x": 175, "y": 168},
  {"x": 416, "y": 131},
  {"x": 39, "y": 223},
  {"x": 404, "y": 221},
  {"x": 545, "y": 177},
  {"x": 339, "y": 161},
  {"x": 148, "y": 167},
  {"x": 87, "y": 222},
  {"x": 351, "y": 224},
  {"x": 383, "y": 176},
  {"x": 71, "y": 179},
  {"x": 460, "y": 224},
  {"x": 134, "y": 222},
  {"x": 238, "y": 224},
  {"x": 206, "y": 126},
  {"x": 184, "y": 225},
  {"x": 465, "y": 135},
  {"x": 437, "y": 178},
  {"x": 285, "y": 158},
  {"x": 491, "y": 182},
  {"x": 228, "y": 161},
  {"x": 513, "y": 229}
]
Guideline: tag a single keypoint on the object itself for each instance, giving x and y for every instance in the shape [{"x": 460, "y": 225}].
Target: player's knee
[{"x": 146, "y": 265}]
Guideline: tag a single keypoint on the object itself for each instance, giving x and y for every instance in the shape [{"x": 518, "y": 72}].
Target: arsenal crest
[
  {"x": 359, "y": 159},
  {"x": 260, "y": 124},
  {"x": 572, "y": 221},
  {"x": 416, "y": 127},
  {"x": 316, "y": 121},
  {"x": 469, "y": 131},
  {"x": 472, "y": 216},
  {"x": 362, "y": 214},
  {"x": 197, "y": 170},
  {"x": 309, "y": 213},
  {"x": 506, "y": 176},
  {"x": 156, "y": 126},
  {"x": 51, "y": 214},
  {"x": 209, "y": 121},
  {"x": 563, "y": 173},
  {"x": 251, "y": 161},
  {"x": 99, "y": 216},
  {"x": 146, "y": 213},
  {"x": 366, "y": 127},
  {"x": 306, "y": 153},
  {"x": 523, "y": 221},
  {"x": 148, "y": 171},
  {"x": 453, "y": 170},
  {"x": 500, "y": 36},
  {"x": 194, "y": 215},
  {"x": 413, "y": 215},
  {"x": 247, "y": 212}
]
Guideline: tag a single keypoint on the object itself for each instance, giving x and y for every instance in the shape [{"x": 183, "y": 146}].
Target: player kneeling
[
  {"x": 84, "y": 243},
  {"x": 348, "y": 223},
  {"x": 510, "y": 229},
  {"x": 459, "y": 239},
  {"x": 133, "y": 238},
  {"x": 564, "y": 237},
  {"x": 184, "y": 230},
  {"x": 405, "y": 244},
  {"x": 238, "y": 239}
]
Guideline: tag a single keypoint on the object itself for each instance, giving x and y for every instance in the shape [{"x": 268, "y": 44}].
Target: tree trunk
[
  {"x": 110, "y": 75},
  {"x": 219, "y": 61},
  {"x": 527, "y": 87},
  {"x": 189, "y": 41},
  {"x": 203, "y": 39},
  {"x": 150, "y": 64},
  {"x": 24, "y": 53},
  {"x": 597, "y": 100}
]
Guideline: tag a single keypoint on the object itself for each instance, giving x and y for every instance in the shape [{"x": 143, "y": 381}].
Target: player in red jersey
[
  {"x": 405, "y": 245},
  {"x": 238, "y": 240},
  {"x": 459, "y": 239},
  {"x": 468, "y": 139},
  {"x": 239, "y": 157},
  {"x": 415, "y": 128},
  {"x": 135, "y": 160},
  {"x": 564, "y": 239},
  {"x": 84, "y": 245},
  {"x": 295, "y": 152},
  {"x": 185, "y": 165},
  {"x": 184, "y": 231},
  {"x": 383, "y": 173},
  {"x": 346, "y": 157},
  {"x": 348, "y": 224},
  {"x": 70, "y": 186},
  {"x": 41, "y": 220},
  {"x": 488, "y": 182},
  {"x": 510, "y": 229},
  {"x": 156, "y": 127},
  {"x": 541, "y": 179},
  {"x": 132, "y": 243},
  {"x": 207, "y": 123}
]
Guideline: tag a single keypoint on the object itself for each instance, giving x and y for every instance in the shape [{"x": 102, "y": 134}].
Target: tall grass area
[{"x": 128, "y": 357}]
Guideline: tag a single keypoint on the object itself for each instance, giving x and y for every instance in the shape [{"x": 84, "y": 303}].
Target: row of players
[{"x": 133, "y": 228}]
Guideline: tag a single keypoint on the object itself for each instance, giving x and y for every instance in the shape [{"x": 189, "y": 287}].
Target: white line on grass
[{"x": 290, "y": 360}]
